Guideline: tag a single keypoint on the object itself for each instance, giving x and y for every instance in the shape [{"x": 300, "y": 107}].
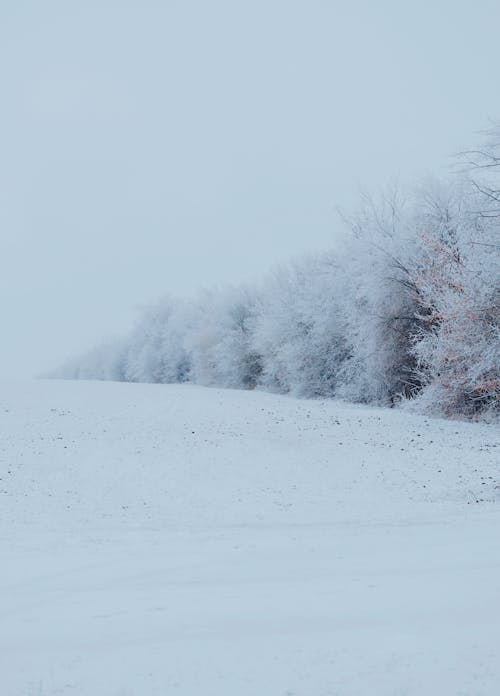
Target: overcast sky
[{"x": 153, "y": 147}]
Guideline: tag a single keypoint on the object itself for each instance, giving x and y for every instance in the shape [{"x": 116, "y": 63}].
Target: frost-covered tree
[
  {"x": 298, "y": 330},
  {"x": 378, "y": 302},
  {"x": 156, "y": 351},
  {"x": 219, "y": 342},
  {"x": 422, "y": 302},
  {"x": 457, "y": 278}
]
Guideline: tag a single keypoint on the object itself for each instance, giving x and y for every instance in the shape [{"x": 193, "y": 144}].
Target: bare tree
[{"x": 484, "y": 162}]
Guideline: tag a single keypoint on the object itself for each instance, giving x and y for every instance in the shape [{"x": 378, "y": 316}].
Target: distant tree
[
  {"x": 156, "y": 351},
  {"x": 219, "y": 341},
  {"x": 298, "y": 329}
]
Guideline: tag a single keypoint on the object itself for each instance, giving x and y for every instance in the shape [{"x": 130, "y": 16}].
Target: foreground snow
[{"x": 180, "y": 540}]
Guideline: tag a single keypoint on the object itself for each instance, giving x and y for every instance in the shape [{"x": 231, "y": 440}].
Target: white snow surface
[{"x": 201, "y": 542}]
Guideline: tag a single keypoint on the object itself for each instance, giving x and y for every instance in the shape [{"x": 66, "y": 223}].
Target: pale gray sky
[{"x": 151, "y": 147}]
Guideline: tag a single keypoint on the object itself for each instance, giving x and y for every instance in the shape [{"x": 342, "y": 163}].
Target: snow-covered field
[{"x": 180, "y": 540}]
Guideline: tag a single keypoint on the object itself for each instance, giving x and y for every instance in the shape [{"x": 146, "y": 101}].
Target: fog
[{"x": 153, "y": 147}]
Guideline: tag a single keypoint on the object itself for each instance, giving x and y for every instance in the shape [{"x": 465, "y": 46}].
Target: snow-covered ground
[{"x": 180, "y": 540}]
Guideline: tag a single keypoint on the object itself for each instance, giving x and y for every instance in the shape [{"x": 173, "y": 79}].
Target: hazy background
[{"x": 151, "y": 147}]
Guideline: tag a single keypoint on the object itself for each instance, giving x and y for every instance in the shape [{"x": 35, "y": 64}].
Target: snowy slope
[{"x": 180, "y": 540}]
